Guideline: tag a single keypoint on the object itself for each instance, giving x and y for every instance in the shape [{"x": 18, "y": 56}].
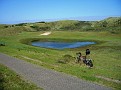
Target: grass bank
[{"x": 106, "y": 54}]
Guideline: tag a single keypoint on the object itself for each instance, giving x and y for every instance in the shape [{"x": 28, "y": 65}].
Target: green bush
[
  {"x": 66, "y": 59},
  {"x": 2, "y": 43}
]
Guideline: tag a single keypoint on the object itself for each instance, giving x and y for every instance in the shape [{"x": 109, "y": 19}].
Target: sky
[{"x": 18, "y": 11}]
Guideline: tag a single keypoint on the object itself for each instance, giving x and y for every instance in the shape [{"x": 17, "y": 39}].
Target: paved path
[{"x": 47, "y": 79}]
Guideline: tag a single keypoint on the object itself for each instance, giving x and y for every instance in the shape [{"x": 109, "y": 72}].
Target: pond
[{"x": 61, "y": 45}]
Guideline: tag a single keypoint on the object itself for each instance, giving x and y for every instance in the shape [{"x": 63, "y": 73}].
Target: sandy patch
[{"x": 46, "y": 33}]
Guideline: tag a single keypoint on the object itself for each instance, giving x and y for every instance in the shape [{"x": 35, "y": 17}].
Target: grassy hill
[{"x": 109, "y": 24}]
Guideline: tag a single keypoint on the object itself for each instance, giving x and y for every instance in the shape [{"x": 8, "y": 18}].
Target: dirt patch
[{"x": 109, "y": 79}]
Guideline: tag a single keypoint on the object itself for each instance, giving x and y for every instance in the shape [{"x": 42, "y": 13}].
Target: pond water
[{"x": 61, "y": 45}]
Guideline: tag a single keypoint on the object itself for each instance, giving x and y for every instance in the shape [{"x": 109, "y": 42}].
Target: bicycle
[{"x": 84, "y": 59}]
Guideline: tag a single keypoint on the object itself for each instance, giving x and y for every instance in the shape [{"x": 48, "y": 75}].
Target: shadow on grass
[{"x": 1, "y": 81}]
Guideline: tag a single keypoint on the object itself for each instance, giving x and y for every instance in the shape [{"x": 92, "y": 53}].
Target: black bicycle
[{"x": 88, "y": 62}]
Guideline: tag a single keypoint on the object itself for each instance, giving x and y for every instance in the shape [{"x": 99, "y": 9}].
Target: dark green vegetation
[
  {"x": 11, "y": 81},
  {"x": 106, "y": 54}
]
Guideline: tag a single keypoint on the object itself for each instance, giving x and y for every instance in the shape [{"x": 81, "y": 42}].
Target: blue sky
[{"x": 16, "y": 11}]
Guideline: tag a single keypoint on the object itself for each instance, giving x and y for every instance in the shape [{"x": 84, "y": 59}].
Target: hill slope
[{"x": 109, "y": 24}]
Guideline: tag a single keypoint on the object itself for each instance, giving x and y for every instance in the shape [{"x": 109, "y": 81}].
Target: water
[{"x": 61, "y": 45}]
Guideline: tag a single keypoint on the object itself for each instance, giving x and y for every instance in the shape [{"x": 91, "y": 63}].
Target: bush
[
  {"x": 65, "y": 59},
  {"x": 2, "y": 43}
]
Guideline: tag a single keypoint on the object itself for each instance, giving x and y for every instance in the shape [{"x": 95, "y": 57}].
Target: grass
[
  {"x": 9, "y": 80},
  {"x": 106, "y": 54}
]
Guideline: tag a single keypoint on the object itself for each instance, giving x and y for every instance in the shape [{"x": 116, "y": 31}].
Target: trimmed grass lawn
[{"x": 106, "y": 54}]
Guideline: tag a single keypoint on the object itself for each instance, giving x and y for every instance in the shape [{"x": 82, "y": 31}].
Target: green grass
[
  {"x": 9, "y": 80},
  {"x": 106, "y": 54}
]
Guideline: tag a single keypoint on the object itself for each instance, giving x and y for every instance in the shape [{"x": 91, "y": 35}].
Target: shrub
[
  {"x": 65, "y": 59},
  {"x": 2, "y": 43}
]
